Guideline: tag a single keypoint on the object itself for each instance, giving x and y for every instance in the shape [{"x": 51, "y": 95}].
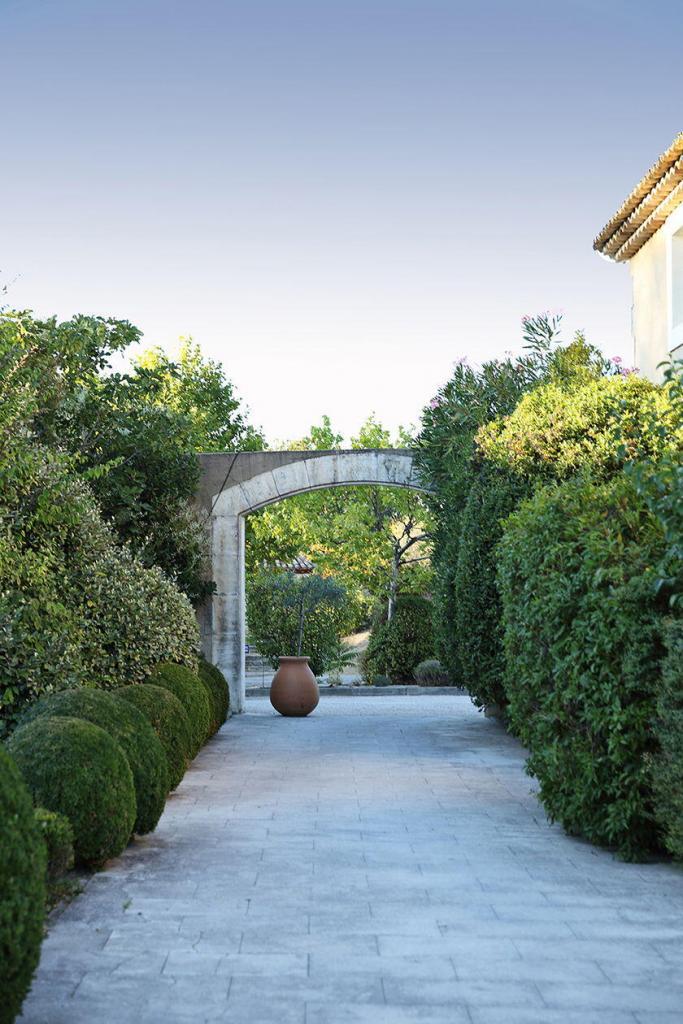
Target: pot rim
[{"x": 292, "y": 657}]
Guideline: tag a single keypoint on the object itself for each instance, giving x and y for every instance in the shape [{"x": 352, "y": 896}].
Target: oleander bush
[
  {"x": 75, "y": 768},
  {"x": 133, "y": 733},
  {"x": 396, "y": 647},
  {"x": 192, "y": 694},
  {"x": 431, "y": 673},
  {"x": 582, "y": 638},
  {"x": 219, "y": 694},
  {"x": 22, "y": 889},
  {"x": 168, "y": 718},
  {"x": 58, "y": 837}
]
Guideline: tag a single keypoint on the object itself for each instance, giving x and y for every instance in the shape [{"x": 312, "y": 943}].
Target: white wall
[{"x": 657, "y": 312}]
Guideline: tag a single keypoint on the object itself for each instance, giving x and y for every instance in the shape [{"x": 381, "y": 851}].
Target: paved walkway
[{"x": 381, "y": 862}]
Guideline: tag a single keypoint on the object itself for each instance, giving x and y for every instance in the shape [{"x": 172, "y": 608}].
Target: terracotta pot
[{"x": 294, "y": 691}]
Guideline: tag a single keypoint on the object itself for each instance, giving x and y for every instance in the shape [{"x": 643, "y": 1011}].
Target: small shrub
[
  {"x": 192, "y": 694},
  {"x": 168, "y": 718},
  {"x": 58, "y": 837},
  {"x": 431, "y": 673},
  {"x": 219, "y": 694},
  {"x": 77, "y": 769},
  {"x": 668, "y": 762},
  {"x": 396, "y": 647},
  {"x": 22, "y": 890},
  {"x": 133, "y": 733}
]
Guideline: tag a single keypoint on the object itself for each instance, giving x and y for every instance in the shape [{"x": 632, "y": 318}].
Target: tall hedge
[
  {"x": 667, "y": 768},
  {"x": 582, "y": 637},
  {"x": 477, "y": 616},
  {"x": 22, "y": 889}
]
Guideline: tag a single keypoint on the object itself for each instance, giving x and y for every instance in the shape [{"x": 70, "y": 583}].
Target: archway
[{"x": 232, "y": 485}]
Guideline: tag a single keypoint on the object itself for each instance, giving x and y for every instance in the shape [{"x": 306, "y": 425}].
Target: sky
[{"x": 336, "y": 198}]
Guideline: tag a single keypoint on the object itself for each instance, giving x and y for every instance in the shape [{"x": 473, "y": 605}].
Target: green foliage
[
  {"x": 373, "y": 540},
  {"x": 560, "y": 428},
  {"x": 397, "y": 647},
  {"x": 133, "y": 733},
  {"x": 582, "y": 643},
  {"x": 219, "y": 693},
  {"x": 667, "y": 768},
  {"x": 192, "y": 694},
  {"x": 77, "y": 769},
  {"x": 477, "y": 613},
  {"x": 294, "y": 615},
  {"x": 431, "y": 673},
  {"x": 22, "y": 890},
  {"x": 58, "y": 837},
  {"x": 168, "y": 718}
]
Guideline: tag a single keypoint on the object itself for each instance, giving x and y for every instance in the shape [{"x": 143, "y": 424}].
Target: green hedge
[
  {"x": 397, "y": 647},
  {"x": 219, "y": 694},
  {"x": 77, "y": 769},
  {"x": 58, "y": 837},
  {"x": 477, "y": 614},
  {"x": 582, "y": 628},
  {"x": 668, "y": 762},
  {"x": 133, "y": 733},
  {"x": 168, "y": 718},
  {"x": 22, "y": 890},
  {"x": 192, "y": 694}
]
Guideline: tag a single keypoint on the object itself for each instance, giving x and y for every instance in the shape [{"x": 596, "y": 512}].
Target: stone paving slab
[{"x": 384, "y": 861}]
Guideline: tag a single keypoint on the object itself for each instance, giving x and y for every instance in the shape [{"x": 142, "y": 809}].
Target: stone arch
[{"x": 232, "y": 485}]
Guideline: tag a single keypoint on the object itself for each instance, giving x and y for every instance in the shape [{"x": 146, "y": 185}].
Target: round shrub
[
  {"x": 431, "y": 673},
  {"x": 668, "y": 762},
  {"x": 77, "y": 769},
  {"x": 58, "y": 837},
  {"x": 168, "y": 718},
  {"x": 219, "y": 694},
  {"x": 133, "y": 733},
  {"x": 396, "y": 647},
  {"x": 191, "y": 693},
  {"x": 22, "y": 890}
]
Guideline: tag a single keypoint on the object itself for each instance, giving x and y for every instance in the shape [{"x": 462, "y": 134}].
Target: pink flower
[
  {"x": 434, "y": 404},
  {"x": 616, "y": 360},
  {"x": 460, "y": 361}
]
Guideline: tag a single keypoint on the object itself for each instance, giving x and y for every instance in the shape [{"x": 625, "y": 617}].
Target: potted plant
[{"x": 290, "y": 614}]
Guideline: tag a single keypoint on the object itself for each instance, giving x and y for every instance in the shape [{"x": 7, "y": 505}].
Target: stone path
[{"x": 382, "y": 862}]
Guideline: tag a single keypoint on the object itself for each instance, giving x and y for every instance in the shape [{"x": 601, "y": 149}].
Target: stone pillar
[{"x": 228, "y": 604}]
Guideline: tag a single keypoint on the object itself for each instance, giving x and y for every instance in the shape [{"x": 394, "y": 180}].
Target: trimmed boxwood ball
[
  {"x": 191, "y": 693},
  {"x": 168, "y": 718},
  {"x": 219, "y": 694},
  {"x": 76, "y": 768},
  {"x": 22, "y": 889},
  {"x": 133, "y": 733},
  {"x": 58, "y": 837}
]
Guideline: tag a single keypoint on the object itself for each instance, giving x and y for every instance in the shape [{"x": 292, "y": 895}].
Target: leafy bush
[
  {"x": 22, "y": 890},
  {"x": 58, "y": 837},
  {"x": 192, "y": 694},
  {"x": 431, "y": 673},
  {"x": 74, "y": 606},
  {"x": 582, "y": 642},
  {"x": 133, "y": 733},
  {"x": 667, "y": 768},
  {"x": 477, "y": 615},
  {"x": 396, "y": 647},
  {"x": 219, "y": 693},
  {"x": 168, "y": 718},
  {"x": 77, "y": 769},
  {"x": 292, "y": 615}
]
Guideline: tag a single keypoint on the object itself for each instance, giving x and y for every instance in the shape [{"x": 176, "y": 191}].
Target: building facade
[{"x": 647, "y": 233}]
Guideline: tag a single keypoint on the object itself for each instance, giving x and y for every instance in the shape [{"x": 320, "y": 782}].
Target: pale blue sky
[{"x": 335, "y": 198}]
